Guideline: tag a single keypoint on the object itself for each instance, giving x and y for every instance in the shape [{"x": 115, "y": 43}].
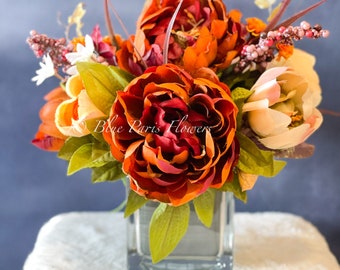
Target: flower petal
[
  {"x": 270, "y": 90},
  {"x": 268, "y": 122},
  {"x": 255, "y": 105},
  {"x": 269, "y": 75},
  {"x": 287, "y": 139}
]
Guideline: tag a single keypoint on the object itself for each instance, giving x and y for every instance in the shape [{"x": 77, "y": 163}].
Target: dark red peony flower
[{"x": 174, "y": 134}]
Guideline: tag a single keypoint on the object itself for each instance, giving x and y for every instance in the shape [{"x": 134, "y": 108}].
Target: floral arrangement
[{"x": 197, "y": 101}]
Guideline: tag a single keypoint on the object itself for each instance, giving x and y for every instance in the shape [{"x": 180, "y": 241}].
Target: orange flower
[
  {"x": 78, "y": 40},
  {"x": 48, "y": 136},
  {"x": 285, "y": 50},
  {"x": 195, "y": 18},
  {"x": 175, "y": 135},
  {"x": 126, "y": 59},
  {"x": 255, "y": 26},
  {"x": 202, "y": 54},
  {"x": 231, "y": 38}
]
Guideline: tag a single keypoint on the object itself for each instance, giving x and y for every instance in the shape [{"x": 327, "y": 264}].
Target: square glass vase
[{"x": 201, "y": 248}]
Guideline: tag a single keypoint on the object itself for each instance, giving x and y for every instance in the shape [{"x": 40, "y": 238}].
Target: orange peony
[
  {"x": 48, "y": 136},
  {"x": 203, "y": 35},
  {"x": 175, "y": 135}
]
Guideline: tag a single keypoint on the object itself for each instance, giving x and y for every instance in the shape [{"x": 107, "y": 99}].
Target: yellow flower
[{"x": 263, "y": 4}]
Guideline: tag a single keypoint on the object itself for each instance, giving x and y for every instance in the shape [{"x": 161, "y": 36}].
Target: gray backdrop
[{"x": 33, "y": 184}]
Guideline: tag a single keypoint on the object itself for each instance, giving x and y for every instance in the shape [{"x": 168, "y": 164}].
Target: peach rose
[
  {"x": 72, "y": 113},
  {"x": 282, "y": 110}
]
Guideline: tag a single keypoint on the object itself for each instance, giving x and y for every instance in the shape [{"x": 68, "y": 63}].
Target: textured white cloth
[{"x": 97, "y": 241}]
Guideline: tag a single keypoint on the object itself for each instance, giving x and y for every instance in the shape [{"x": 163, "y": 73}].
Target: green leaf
[
  {"x": 100, "y": 158},
  {"x": 236, "y": 189},
  {"x": 246, "y": 79},
  {"x": 96, "y": 126},
  {"x": 87, "y": 152},
  {"x": 134, "y": 202},
  {"x": 239, "y": 96},
  {"x": 101, "y": 154},
  {"x": 256, "y": 161},
  {"x": 204, "y": 207},
  {"x": 89, "y": 155},
  {"x": 167, "y": 227},
  {"x": 102, "y": 82},
  {"x": 80, "y": 159},
  {"x": 111, "y": 171},
  {"x": 122, "y": 77},
  {"x": 71, "y": 145}
]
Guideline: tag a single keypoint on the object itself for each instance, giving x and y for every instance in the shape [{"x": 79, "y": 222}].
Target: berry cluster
[
  {"x": 56, "y": 48},
  {"x": 263, "y": 52}
]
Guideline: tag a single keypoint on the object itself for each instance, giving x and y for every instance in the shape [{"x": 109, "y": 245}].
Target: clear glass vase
[{"x": 201, "y": 248}]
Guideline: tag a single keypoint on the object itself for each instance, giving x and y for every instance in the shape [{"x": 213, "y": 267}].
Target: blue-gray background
[{"x": 33, "y": 185}]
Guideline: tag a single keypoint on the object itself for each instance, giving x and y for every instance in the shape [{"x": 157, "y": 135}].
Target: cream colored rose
[
  {"x": 282, "y": 110},
  {"x": 303, "y": 63}
]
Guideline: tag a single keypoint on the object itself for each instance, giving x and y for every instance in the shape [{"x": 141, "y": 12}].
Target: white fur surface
[{"x": 96, "y": 241}]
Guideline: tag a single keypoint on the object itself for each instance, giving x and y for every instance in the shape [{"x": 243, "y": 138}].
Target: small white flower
[
  {"x": 82, "y": 54},
  {"x": 46, "y": 70},
  {"x": 263, "y": 4}
]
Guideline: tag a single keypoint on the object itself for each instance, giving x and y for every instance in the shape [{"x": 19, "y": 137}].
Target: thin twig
[
  {"x": 329, "y": 112},
  {"x": 120, "y": 21},
  {"x": 109, "y": 23},
  {"x": 277, "y": 17},
  {"x": 168, "y": 33},
  {"x": 301, "y": 14}
]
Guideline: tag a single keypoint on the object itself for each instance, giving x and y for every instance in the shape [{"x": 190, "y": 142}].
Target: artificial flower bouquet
[{"x": 197, "y": 101}]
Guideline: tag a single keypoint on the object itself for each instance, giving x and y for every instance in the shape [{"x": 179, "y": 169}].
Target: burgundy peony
[{"x": 174, "y": 134}]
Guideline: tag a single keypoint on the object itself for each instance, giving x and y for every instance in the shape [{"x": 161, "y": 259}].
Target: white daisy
[
  {"x": 46, "y": 70},
  {"x": 82, "y": 54}
]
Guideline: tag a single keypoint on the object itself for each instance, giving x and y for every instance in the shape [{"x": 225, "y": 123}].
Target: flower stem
[
  {"x": 109, "y": 23},
  {"x": 330, "y": 112},
  {"x": 301, "y": 13},
  {"x": 277, "y": 17},
  {"x": 58, "y": 76}
]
